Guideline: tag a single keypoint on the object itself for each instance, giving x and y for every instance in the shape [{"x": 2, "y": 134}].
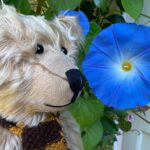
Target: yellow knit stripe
[
  {"x": 58, "y": 145},
  {"x": 17, "y": 130}
]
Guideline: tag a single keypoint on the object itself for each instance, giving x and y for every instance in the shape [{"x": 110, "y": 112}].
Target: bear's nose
[{"x": 76, "y": 80}]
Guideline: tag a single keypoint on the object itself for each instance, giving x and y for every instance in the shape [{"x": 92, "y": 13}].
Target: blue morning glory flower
[
  {"x": 117, "y": 66},
  {"x": 83, "y": 20}
]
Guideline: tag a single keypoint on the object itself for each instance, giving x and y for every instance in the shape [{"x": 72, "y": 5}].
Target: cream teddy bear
[{"x": 39, "y": 79}]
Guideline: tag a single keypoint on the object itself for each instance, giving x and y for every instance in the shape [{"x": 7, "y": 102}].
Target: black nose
[{"x": 76, "y": 80}]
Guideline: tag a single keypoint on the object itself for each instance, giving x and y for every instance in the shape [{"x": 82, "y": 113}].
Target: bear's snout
[{"x": 76, "y": 80}]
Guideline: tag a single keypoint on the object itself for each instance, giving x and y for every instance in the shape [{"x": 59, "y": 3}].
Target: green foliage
[
  {"x": 64, "y": 4},
  {"x": 133, "y": 7},
  {"x": 87, "y": 111},
  {"x": 99, "y": 124},
  {"x": 94, "y": 30},
  {"x": 101, "y": 4},
  {"x": 124, "y": 124},
  {"x": 92, "y": 135},
  {"x": 116, "y": 19},
  {"x": 110, "y": 125},
  {"x": 22, "y": 5}
]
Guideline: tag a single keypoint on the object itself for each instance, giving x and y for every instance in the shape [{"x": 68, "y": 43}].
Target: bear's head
[{"x": 38, "y": 72}]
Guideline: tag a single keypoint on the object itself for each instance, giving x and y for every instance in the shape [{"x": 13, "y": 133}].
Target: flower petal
[
  {"x": 132, "y": 39},
  {"x": 105, "y": 42},
  {"x": 95, "y": 67},
  {"x": 123, "y": 94},
  {"x": 102, "y": 66}
]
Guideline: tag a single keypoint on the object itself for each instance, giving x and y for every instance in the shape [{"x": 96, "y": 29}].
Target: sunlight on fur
[{"x": 30, "y": 78}]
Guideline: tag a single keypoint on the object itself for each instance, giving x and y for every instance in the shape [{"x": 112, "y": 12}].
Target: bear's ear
[
  {"x": 69, "y": 27},
  {"x": 10, "y": 26},
  {"x": 70, "y": 23},
  {"x": 81, "y": 19}
]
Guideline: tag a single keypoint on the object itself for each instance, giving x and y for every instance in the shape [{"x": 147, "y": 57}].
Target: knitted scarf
[{"x": 47, "y": 135}]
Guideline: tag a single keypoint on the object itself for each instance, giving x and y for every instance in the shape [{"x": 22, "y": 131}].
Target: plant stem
[
  {"x": 147, "y": 22},
  {"x": 141, "y": 117},
  {"x": 39, "y": 7},
  {"x": 145, "y": 16}
]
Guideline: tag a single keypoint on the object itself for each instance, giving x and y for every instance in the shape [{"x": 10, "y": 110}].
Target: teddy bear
[{"x": 39, "y": 79}]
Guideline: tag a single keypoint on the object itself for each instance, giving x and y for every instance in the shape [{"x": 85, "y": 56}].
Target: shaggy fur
[{"x": 29, "y": 80}]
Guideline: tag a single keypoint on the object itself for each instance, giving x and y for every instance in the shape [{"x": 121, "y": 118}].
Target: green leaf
[
  {"x": 39, "y": 7},
  {"x": 64, "y": 4},
  {"x": 22, "y": 5},
  {"x": 50, "y": 13},
  {"x": 87, "y": 111},
  {"x": 124, "y": 125},
  {"x": 101, "y": 4},
  {"x": 110, "y": 127},
  {"x": 116, "y": 18},
  {"x": 119, "y": 4},
  {"x": 92, "y": 135},
  {"x": 133, "y": 7},
  {"x": 94, "y": 30}
]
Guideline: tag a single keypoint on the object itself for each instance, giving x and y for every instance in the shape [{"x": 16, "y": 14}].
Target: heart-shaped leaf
[
  {"x": 92, "y": 136},
  {"x": 87, "y": 111},
  {"x": 133, "y": 7}
]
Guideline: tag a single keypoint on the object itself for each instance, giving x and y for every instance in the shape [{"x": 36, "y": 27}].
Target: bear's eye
[
  {"x": 64, "y": 50},
  {"x": 39, "y": 49}
]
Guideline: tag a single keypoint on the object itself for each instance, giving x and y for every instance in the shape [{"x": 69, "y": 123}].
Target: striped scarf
[{"x": 47, "y": 135}]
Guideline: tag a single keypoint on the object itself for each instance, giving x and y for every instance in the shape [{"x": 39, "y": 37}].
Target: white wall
[{"x": 142, "y": 19}]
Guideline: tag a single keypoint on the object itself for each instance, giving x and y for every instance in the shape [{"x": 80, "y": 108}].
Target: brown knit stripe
[
  {"x": 38, "y": 137},
  {"x": 47, "y": 135},
  {"x": 6, "y": 124}
]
